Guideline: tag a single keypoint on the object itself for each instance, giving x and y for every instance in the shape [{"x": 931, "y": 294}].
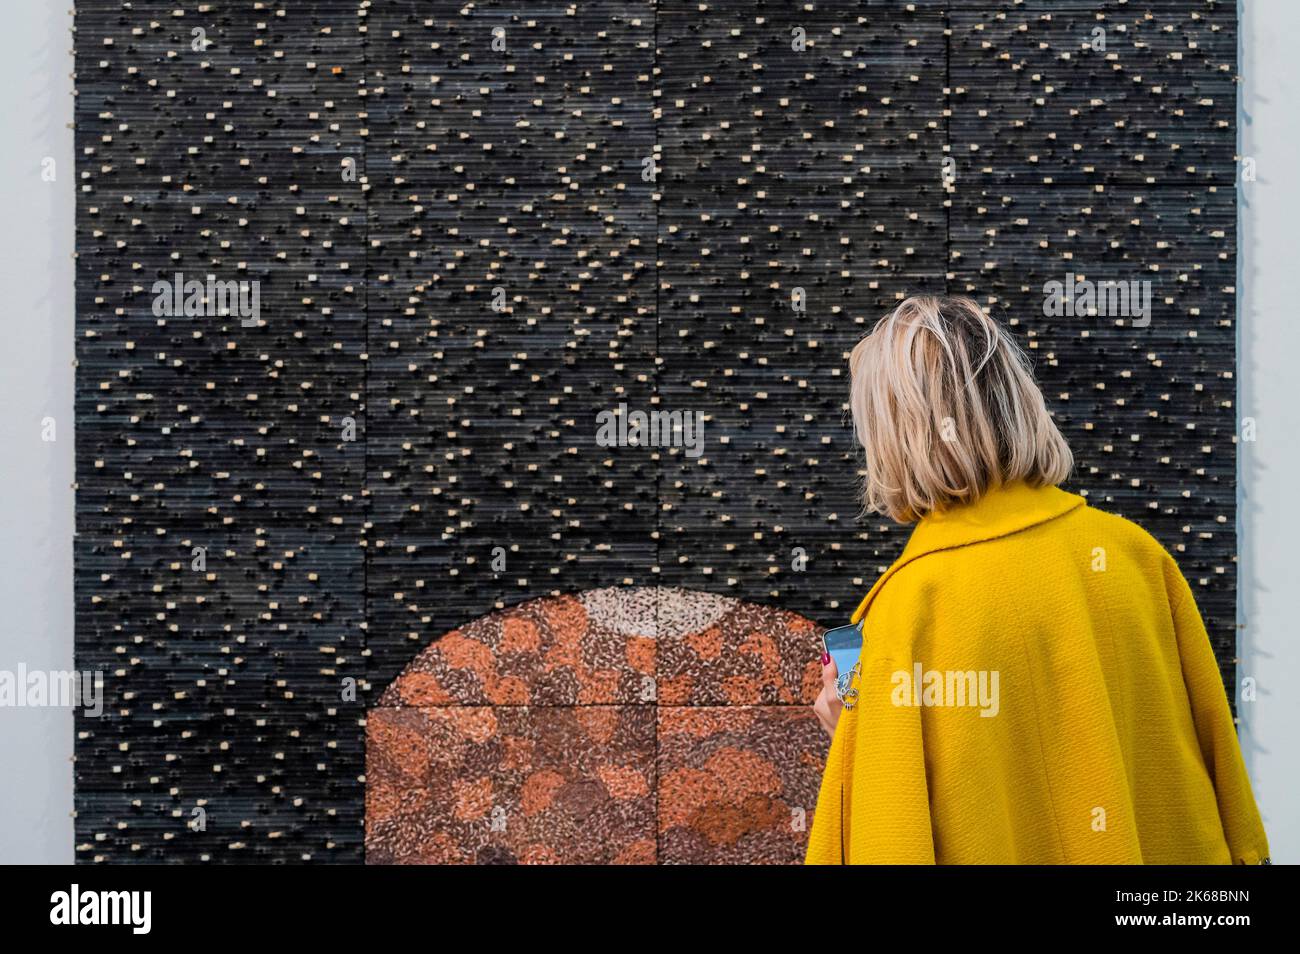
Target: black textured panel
[
  {"x": 511, "y": 175},
  {"x": 223, "y": 687},
  {"x": 811, "y": 172},
  {"x": 1114, "y": 166}
]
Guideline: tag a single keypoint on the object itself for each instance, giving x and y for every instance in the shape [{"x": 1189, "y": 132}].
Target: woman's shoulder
[
  {"x": 995, "y": 583},
  {"x": 1086, "y": 536}
]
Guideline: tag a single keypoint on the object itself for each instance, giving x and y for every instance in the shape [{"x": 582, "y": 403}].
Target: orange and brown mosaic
[{"x": 617, "y": 726}]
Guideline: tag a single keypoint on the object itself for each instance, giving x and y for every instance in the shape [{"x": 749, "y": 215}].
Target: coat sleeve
[
  {"x": 887, "y": 797},
  {"x": 874, "y": 806},
  {"x": 825, "y": 840},
  {"x": 1214, "y": 726}
]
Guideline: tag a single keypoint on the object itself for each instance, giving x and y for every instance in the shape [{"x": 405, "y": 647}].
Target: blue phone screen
[{"x": 844, "y": 643}]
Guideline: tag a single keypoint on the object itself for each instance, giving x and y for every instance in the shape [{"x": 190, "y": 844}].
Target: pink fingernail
[{"x": 826, "y": 659}]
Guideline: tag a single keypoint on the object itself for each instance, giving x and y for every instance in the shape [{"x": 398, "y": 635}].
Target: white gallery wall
[
  {"x": 36, "y": 387},
  {"x": 1268, "y": 366}
]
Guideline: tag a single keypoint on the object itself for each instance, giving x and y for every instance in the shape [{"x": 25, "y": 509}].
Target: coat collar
[{"x": 1001, "y": 511}]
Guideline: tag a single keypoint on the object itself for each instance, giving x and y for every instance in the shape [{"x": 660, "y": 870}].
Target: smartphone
[{"x": 844, "y": 644}]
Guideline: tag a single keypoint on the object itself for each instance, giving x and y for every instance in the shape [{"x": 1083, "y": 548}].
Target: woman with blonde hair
[{"x": 1035, "y": 684}]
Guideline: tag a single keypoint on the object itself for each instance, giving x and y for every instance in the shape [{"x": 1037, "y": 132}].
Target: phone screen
[{"x": 844, "y": 643}]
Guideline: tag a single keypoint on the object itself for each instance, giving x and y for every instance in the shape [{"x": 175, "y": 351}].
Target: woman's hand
[{"x": 828, "y": 704}]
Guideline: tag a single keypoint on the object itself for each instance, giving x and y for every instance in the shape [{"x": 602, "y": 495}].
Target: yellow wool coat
[{"x": 1036, "y": 687}]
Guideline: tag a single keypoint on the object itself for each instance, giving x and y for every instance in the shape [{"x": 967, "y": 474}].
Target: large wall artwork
[{"x": 373, "y": 294}]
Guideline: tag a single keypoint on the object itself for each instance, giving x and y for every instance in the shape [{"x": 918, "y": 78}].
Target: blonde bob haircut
[{"x": 945, "y": 405}]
